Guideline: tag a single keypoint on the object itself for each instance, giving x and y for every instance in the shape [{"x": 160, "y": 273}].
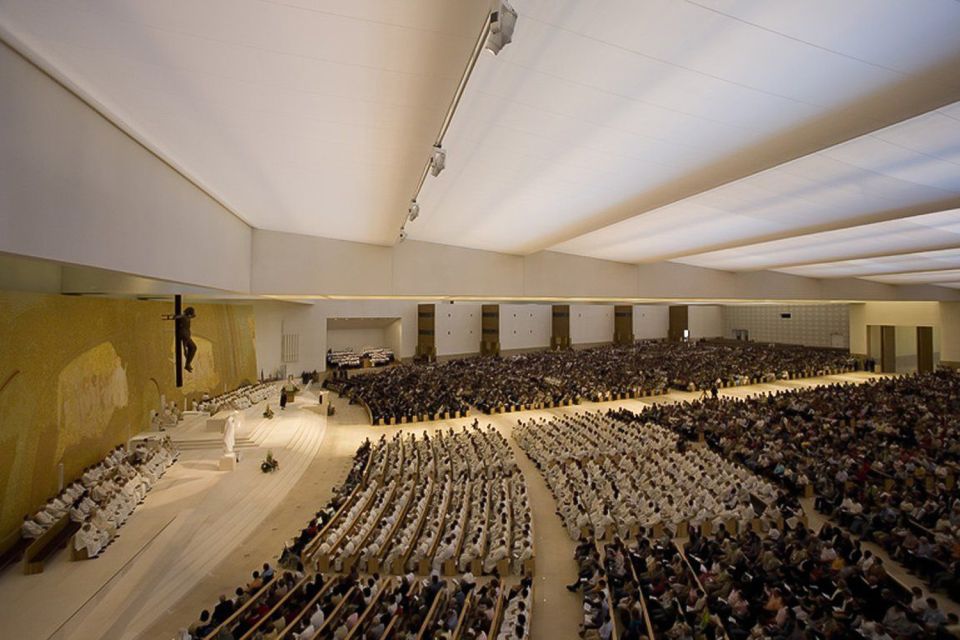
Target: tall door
[
  {"x": 623, "y": 324},
  {"x": 924, "y": 349},
  {"x": 490, "y": 330},
  {"x": 561, "y": 327},
  {"x": 678, "y": 322},
  {"x": 888, "y": 349},
  {"x": 426, "y": 338}
]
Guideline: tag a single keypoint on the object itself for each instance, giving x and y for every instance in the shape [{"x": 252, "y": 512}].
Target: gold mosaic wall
[{"x": 80, "y": 375}]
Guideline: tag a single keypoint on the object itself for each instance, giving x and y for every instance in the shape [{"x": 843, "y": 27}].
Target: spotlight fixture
[
  {"x": 414, "y": 211},
  {"x": 502, "y": 22},
  {"x": 438, "y": 161},
  {"x": 403, "y": 235}
]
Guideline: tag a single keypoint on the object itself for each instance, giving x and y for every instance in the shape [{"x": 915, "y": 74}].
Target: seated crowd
[
  {"x": 103, "y": 498},
  {"x": 404, "y": 392},
  {"x": 351, "y": 359},
  {"x": 454, "y": 500},
  {"x": 242, "y": 398},
  {"x": 610, "y": 477},
  {"x": 399, "y": 492},
  {"x": 552, "y": 378},
  {"x": 796, "y": 583},
  {"x": 883, "y": 457}
]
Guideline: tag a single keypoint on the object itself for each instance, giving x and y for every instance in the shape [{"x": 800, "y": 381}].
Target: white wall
[
  {"x": 525, "y": 326},
  {"x": 76, "y": 189},
  {"x": 309, "y": 322},
  {"x": 591, "y": 323},
  {"x": 812, "y": 325},
  {"x": 705, "y": 321},
  {"x": 356, "y": 339},
  {"x": 651, "y": 321},
  {"x": 903, "y": 315},
  {"x": 290, "y": 264},
  {"x": 457, "y": 328}
]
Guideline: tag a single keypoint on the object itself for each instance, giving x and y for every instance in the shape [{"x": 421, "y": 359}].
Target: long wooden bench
[
  {"x": 13, "y": 550},
  {"x": 323, "y": 560},
  {"x": 450, "y": 566},
  {"x": 262, "y": 592},
  {"x": 696, "y": 579},
  {"x": 56, "y": 537},
  {"x": 276, "y": 607},
  {"x": 308, "y": 607},
  {"x": 358, "y": 630},
  {"x": 426, "y": 564},
  {"x": 350, "y": 562},
  {"x": 498, "y": 611},
  {"x": 325, "y": 629},
  {"x": 462, "y": 618},
  {"x": 439, "y": 600}
]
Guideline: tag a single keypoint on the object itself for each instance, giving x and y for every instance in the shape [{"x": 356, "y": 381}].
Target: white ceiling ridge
[
  {"x": 665, "y": 200},
  {"x": 876, "y": 255},
  {"x": 30, "y": 53},
  {"x": 931, "y": 254},
  {"x": 863, "y": 222}
]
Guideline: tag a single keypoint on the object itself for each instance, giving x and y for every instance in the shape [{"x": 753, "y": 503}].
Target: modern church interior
[{"x": 480, "y": 319}]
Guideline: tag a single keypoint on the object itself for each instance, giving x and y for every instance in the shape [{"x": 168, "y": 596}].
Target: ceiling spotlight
[
  {"x": 502, "y": 22},
  {"x": 414, "y": 211},
  {"x": 438, "y": 161},
  {"x": 403, "y": 235}
]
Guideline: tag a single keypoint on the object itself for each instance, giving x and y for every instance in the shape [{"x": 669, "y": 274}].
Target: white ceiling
[{"x": 813, "y": 137}]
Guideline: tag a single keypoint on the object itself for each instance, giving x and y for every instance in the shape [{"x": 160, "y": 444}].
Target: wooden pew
[
  {"x": 614, "y": 619},
  {"x": 323, "y": 561},
  {"x": 395, "y": 620},
  {"x": 427, "y": 563},
  {"x": 464, "y": 613},
  {"x": 438, "y": 601},
  {"x": 344, "y": 508},
  {"x": 348, "y": 563},
  {"x": 645, "y": 611},
  {"x": 276, "y": 607},
  {"x": 699, "y": 584},
  {"x": 13, "y": 550},
  {"x": 326, "y": 628},
  {"x": 53, "y": 539},
  {"x": 498, "y": 611},
  {"x": 310, "y": 548},
  {"x": 400, "y": 565},
  {"x": 450, "y": 566},
  {"x": 308, "y": 607},
  {"x": 363, "y": 621},
  {"x": 374, "y": 563},
  {"x": 236, "y": 615}
]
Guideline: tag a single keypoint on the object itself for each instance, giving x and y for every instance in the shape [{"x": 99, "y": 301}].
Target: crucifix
[{"x": 184, "y": 346}]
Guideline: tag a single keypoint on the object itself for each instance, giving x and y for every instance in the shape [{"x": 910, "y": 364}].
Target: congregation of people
[
  {"x": 455, "y": 497},
  {"x": 882, "y": 457},
  {"x": 553, "y": 378},
  {"x": 612, "y": 477},
  {"x": 241, "y": 398},
  {"x": 407, "y": 506},
  {"x": 101, "y": 500},
  {"x": 354, "y": 359}
]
